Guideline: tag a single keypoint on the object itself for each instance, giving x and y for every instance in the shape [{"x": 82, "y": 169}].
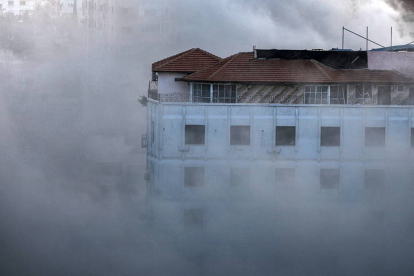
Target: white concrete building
[
  {"x": 226, "y": 136},
  {"x": 17, "y": 7}
]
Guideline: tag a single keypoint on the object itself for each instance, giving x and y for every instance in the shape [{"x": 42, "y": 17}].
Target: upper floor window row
[
  {"x": 325, "y": 94},
  {"x": 214, "y": 93}
]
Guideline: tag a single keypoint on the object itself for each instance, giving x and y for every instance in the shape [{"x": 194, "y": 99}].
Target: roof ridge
[
  {"x": 183, "y": 54},
  {"x": 210, "y": 54},
  {"x": 318, "y": 65},
  {"x": 231, "y": 58}
]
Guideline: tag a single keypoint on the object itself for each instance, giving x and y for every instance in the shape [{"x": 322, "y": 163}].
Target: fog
[{"x": 73, "y": 199}]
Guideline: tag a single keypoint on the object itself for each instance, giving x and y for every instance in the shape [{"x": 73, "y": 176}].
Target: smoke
[{"x": 73, "y": 194}]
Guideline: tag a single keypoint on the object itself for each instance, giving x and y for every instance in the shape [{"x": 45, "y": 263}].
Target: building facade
[{"x": 221, "y": 131}]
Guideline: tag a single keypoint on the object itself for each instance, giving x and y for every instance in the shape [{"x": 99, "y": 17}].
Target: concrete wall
[
  {"x": 16, "y": 8},
  {"x": 400, "y": 61},
  {"x": 168, "y": 85},
  {"x": 167, "y": 123}
]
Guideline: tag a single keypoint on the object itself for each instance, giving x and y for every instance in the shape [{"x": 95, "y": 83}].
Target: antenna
[
  {"x": 391, "y": 39},
  {"x": 366, "y": 38}
]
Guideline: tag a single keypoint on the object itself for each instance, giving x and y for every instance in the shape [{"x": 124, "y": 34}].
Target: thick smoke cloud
[{"x": 56, "y": 221}]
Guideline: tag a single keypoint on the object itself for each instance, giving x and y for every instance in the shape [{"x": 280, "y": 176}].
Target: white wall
[
  {"x": 400, "y": 61},
  {"x": 168, "y": 85},
  {"x": 170, "y": 119},
  {"x": 16, "y": 8}
]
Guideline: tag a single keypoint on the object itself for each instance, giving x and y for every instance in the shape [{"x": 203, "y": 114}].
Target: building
[
  {"x": 257, "y": 134},
  {"x": 17, "y": 7},
  {"x": 318, "y": 123}
]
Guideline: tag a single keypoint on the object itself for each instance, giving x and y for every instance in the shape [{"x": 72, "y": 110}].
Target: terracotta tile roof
[
  {"x": 189, "y": 61},
  {"x": 243, "y": 68}
]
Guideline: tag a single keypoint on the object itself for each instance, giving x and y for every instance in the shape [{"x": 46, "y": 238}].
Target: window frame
[
  {"x": 375, "y": 145},
  {"x": 187, "y": 177},
  {"x": 215, "y": 90},
  {"x": 232, "y": 143},
  {"x": 285, "y": 177},
  {"x": 325, "y": 142},
  {"x": 336, "y": 185},
  {"x": 364, "y": 92},
  {"x": 315, "y": 90},
  {"x": 187, "y": 137},
  {"x": 245, "y": 179},
  {"x": 278, "y": 129}
]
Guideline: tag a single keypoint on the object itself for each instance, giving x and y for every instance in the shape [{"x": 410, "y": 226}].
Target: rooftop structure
[{"x": 279, "y": 76}]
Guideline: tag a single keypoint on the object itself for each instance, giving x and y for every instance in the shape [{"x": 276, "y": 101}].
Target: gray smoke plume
[{"x": 57, "y": 220}]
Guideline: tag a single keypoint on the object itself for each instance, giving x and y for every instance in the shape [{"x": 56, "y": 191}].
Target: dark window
[
  {"x": 284, "y": 176},
  {"x": 412, "y": 137},
  {"x": 411, "y": 96},
  {"x": 374, "y": 179},
  {"x": 329, "y": 178},
  {"x": 375, "y": 136},
  {"x": 240, "y": 135},
  {"x": 195, "y": 134},
  {"x": 194, "y": 217},
  {"x": 224, "y": 93},
  {"x": 239, "y": 176},
  {"x": 331, "y": 136},
  {"x": 384, "y": 95},
  {"x": 201, "y": 93},
  {"x": 363, "y": 91},
  {"x": 193, "y": 176},
  {"x": 338, "y": 94},
  {"x": 285, "y": 135}
]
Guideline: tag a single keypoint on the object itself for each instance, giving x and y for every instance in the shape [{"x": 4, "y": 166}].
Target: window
[
  {"x": 374, "y": 179},
  {"x": 221, "y": 93},
  {"x": 195, "y": 134},
  {"x": 193, "y": 176},
  {"x": 285, "y": 135},
  {"x": 400, "y": 88},
  {"x": 316, "y": 94},
  {"x": 329, "y": 178},
  {"x": 363, "y": 91},
  {"x": 201, "y": 93},
  {"x": 284, "y": 176},
  {"x": 375, "y": 136},
  {"x": 194, "y": 217},
  {"x": 239, "y": 177},
  {"x": 331, "y": 136},
  {"x": 240, "y": 135},
  {"x": 10, "y": 3},
  {"x": 224, "y": 93},
  {"x": 338, "y": 94},
  {"x": 23, "y": 3},
  {"x": 412, "y": 137}
]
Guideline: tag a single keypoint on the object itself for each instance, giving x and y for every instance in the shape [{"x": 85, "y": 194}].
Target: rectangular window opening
[
  {"x": 331, "y": 136},
  {"x": 374, "y": 179},
  {"x": 195, "y": 134},
  {"x": 240, "y": 135},
  {"x": 239, "y": 177},
  {"x": 285, "y": 135},
  {"x": 329, "y": 178},
  {"x": 285, "y": 176},
  {"x": 193, "y": 176},
  {"x": 194, "y": 217},
  {"x": 375, "y": 136}
]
